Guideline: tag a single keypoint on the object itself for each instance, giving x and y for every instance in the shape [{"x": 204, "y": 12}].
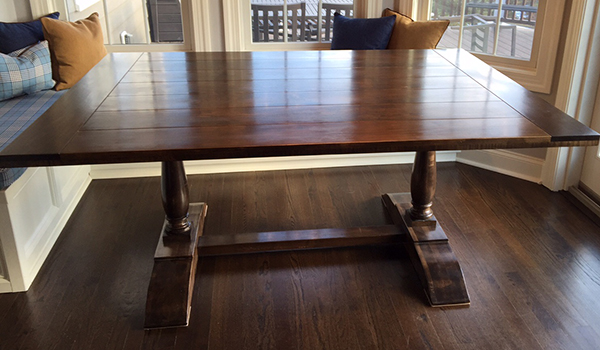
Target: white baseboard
[
  {"x": 505, "y": 162},
  {"x": 5, "y": 286},
  {"x": 585, "y": 200},
  {"x": 111, "y": 171}
]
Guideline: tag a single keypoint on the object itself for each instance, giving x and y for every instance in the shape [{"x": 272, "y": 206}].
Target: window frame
[{"x": 535, "y": 74}]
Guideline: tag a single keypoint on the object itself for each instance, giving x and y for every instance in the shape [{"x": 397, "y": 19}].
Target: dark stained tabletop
[{"x": 177, "y": 106}]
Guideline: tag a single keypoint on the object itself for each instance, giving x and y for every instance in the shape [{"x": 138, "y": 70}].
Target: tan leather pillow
[
  {"x": 408, "y": 34},
  {"x": 75, "y": 47}
]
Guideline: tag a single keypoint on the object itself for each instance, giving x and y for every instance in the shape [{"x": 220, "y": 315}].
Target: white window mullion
[
  {"x": 367, "y": 9},
  {"x": 498, "y": 25},
  {"x": 107, "y": 21},
  {"x": 146, "y": 24},
  {"x": 235, "y": 25},
  {"x": 285, "y": 21},
  {"x": 320, "y": 21},
  {"x": 462, "y": 22}
]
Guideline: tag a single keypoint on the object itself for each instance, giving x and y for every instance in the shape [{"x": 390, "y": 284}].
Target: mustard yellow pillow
[
  {"x": 408, "y": 34},
  {"x": 75, "y": 47}
]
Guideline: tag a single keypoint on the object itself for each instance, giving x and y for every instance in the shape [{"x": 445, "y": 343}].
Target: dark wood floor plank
[
  {"x": 537, "y": 306},
  {"x": 555, "y": 250},
  {"x": 531, "y": 269}
]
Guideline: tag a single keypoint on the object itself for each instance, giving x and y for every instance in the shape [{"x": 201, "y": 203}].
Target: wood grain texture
[
  {"x": 561, "y": 126},
  {"x": 431, "y": 254},
  {"x": 50, "y": 133},
  {"x": 180, "y": 106},
  {"x": 298, "y": 240},
  {"x": 530, "y": 258},
  {"x": 169, "y": 298}
]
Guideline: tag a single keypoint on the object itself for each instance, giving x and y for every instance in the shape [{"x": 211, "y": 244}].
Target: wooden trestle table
[{"x": 171, "y": 107}]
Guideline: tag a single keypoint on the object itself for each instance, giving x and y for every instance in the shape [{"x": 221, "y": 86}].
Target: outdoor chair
[
  {"x": 267, "y": 22},
  {"x": 346, "y": 10}
]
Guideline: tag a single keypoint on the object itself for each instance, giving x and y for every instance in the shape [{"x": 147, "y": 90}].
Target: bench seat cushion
[{"x": 15, "y": 116}]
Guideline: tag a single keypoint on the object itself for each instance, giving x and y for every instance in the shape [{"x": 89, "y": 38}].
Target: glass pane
[
  {"x": 134, "y": 21},
  {"x": 479, "y": 28},
  {"x": 298, "y": 27},
  {"x": 302, "y": 19},
  {"x": 517, "y": 28},
  {"x": 164, "y": 19},
  {"x": 78, "y": 10},
  {"x": 517, "y": 25},
  {"x": 267, "y": 20},
  {"x": 344, "y": 7},
  {"x": 448, "y": 10}
]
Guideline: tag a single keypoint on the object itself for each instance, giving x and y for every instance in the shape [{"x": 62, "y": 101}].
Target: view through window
[
  {"x": 473, "y": 26},
  {"x": 296, "y": 20},
  {"x": 133, "y": 21}
]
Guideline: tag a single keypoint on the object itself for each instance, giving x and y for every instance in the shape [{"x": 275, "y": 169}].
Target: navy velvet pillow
[
  {"x": 15, "y": 36},
  {"x": 361, "y": 33}
]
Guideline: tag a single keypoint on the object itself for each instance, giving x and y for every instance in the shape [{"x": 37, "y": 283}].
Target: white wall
[{"x": 15, "y": 11}]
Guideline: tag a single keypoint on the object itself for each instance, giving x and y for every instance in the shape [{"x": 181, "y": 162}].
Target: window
[
  {"x": 134, "y": 21},
  {"x": 473, "y": 26},
  {"x": 126, "y": 24},
  {"x": 527, "y": 36},
  {"x": 295, "y": 20},
  {"x": 287, "y": 24}
]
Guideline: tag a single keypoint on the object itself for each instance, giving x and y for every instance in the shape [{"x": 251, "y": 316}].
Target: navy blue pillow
[
  {"x": 361, "y": 33},
  {"x": 15, "y": 36}
]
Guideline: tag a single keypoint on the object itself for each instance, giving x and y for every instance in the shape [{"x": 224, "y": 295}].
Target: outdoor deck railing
[{"x": 522, "y": 12}]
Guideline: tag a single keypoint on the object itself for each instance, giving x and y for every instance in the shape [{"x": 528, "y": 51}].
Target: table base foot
[
  {"x": 431, "y": 254},
  {"x": 170, "y": 291}
]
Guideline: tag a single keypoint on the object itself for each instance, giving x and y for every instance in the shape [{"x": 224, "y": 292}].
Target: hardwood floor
[{"x": 530, "y": 258}]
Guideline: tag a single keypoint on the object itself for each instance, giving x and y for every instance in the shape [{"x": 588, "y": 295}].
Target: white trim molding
[
  {"x": 367, "y": 9},
  {"x": 505, "y": 162},
  {"x": 585, "y": 200},
  {"x": 41, "y": 8},
  {"x": 199, "y": 18},
  {"x": 577, "y": 89},
  {"x": 234, "y": 20},
  {"x": 33, "y": 211},
  {"x": 111, "y": 171}
]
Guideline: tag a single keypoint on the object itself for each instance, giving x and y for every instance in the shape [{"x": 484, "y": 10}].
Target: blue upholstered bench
[
  {"x": 35, "y": 202},
  {"x": 15, "y": 116}
]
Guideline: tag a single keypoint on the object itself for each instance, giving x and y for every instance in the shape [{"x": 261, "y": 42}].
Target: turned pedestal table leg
[
  {"x": 172, "y": 282},
  {"x": 175, "y": 198},
  {"x": 427, "y": 243}
]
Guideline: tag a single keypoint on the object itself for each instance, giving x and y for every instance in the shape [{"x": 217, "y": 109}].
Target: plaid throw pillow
[{"x": 25, "y": 71}]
